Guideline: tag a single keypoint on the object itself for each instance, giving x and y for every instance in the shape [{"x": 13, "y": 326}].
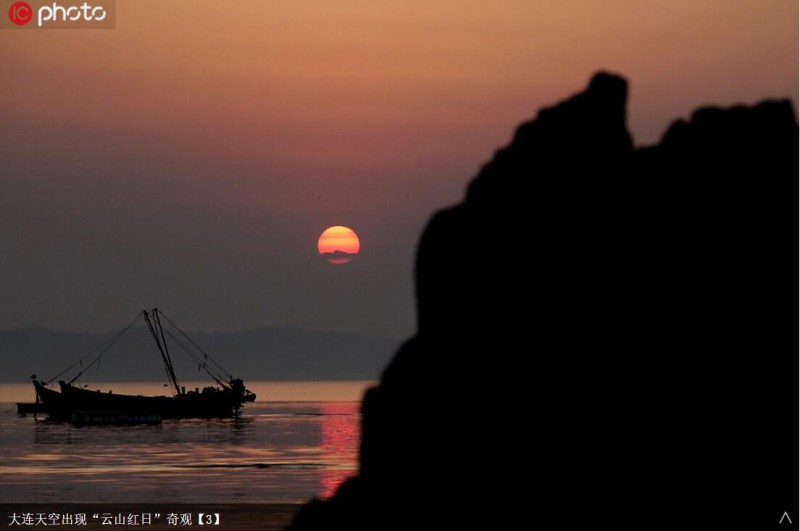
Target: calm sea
[{"x": 297, "y": 441}]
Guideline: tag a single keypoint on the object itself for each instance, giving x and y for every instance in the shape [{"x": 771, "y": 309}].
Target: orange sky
[{"x": 250, "y": 124}]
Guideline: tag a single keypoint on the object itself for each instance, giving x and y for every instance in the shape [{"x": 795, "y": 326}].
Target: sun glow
[{"x": 338, "y": 244}]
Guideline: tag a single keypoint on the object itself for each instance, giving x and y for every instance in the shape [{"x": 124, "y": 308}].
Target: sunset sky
[{"x": 190, "y": 158}]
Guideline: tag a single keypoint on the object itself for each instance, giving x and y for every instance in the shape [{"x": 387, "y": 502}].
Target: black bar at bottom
[{"x": 145, "y": 517}]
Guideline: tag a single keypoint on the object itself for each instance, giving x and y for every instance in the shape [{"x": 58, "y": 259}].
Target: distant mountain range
[{"x": 257, "y": 354}]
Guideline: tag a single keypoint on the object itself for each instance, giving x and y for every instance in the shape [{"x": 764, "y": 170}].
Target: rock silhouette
[{"x": 639, "y": 369}]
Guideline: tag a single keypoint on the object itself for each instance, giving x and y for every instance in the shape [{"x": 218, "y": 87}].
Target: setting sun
[{"x": 338, "y": 244}]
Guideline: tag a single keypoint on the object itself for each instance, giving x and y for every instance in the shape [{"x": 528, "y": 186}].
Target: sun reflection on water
[{"x": 339, "y": 444}]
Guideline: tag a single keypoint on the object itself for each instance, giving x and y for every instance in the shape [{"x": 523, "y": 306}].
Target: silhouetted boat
[
  {"x": 113, "y": 418},
  {"x": 29, "y": 408},
  {"x": 83, "y": 406}
]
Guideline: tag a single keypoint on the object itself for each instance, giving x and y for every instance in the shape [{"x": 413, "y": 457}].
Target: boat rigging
[{"x": 73, "y": 401}]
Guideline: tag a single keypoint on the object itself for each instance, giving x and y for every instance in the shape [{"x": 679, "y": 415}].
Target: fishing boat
[{"x": 76, "y": 404}]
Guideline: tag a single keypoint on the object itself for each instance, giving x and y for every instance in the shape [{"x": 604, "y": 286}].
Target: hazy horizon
[
  {"x": 267, "y": 353},
  {"x": 203, "y": 331}
]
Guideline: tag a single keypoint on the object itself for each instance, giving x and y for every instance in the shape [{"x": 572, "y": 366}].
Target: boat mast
[{"x": 158, "y": 335}]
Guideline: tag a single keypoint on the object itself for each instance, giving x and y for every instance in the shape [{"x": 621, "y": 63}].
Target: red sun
[{"x": 338, "y": 244}]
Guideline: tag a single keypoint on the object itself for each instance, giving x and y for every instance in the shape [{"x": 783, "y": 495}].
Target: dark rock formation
[{"x": 640, "y": 368}]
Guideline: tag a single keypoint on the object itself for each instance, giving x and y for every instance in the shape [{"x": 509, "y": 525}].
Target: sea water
[{"x": 298, "y": 441}]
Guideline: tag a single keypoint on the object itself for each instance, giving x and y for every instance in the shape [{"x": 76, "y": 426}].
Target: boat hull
[
  {"x": 90, "y": 418},
  {"x": 54, "y": 403},
  {"x": 211, "y": 402}
]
